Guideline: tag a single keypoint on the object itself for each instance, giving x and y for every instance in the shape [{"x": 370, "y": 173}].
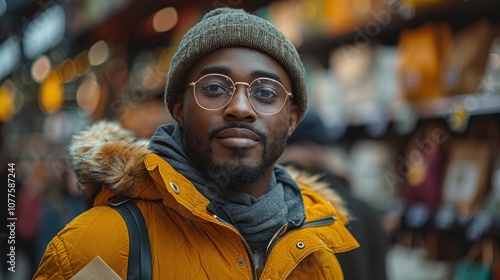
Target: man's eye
[
  {"x": 266, "y": 95},
  {"x": 214, "y": 89}
]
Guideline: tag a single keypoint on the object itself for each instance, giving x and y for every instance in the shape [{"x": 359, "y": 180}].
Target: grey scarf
[{"x": 256, "y": 219}]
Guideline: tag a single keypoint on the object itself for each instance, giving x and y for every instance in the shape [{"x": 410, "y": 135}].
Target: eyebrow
[
  {"x": 266, "y": 74},
  {"x": 226, "y": 71},
  {"x": 215, "y": 70}
]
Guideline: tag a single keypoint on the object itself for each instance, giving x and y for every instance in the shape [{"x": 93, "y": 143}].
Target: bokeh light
[
  {"x": 51, "y": 94},
  {"x": 165, "y": 19},
  {"x": 40, "y": 69},
  {"x": 98, "y": 53}
]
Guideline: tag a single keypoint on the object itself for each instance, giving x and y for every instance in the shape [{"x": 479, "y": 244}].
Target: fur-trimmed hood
[{"x": 105, "y": 155}]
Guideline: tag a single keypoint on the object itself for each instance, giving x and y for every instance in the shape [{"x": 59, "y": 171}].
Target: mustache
[{"x": 212, "y": 133}]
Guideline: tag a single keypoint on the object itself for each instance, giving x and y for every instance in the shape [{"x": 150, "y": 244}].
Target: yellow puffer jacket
[{"x": 187, "y": 241}]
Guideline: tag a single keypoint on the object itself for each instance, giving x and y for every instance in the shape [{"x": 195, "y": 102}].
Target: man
[{"x": 215, "y": 203}]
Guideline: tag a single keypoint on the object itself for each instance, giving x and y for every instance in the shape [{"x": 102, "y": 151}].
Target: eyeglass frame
[{"x": 288, "y": 94}]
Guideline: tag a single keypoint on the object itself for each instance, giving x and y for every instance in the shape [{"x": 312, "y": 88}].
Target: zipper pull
[{"x": 320, "y": 222}]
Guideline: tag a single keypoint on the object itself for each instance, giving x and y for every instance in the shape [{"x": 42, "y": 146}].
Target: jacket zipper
[
  {"x": 283, "y": 229},
  {"x": 249, "y": 251}
]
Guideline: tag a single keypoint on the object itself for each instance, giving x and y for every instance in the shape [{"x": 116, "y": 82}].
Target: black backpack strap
[{"x": 139, "y": 259}]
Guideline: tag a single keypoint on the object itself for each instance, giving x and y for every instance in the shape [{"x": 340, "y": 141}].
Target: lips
[{"x": 241, "y": 138}]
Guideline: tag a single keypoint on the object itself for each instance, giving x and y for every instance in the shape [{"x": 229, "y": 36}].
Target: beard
[{"x": 232, "y": 172}]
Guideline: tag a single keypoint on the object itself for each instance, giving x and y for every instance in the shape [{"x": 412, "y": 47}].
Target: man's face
[{"x": 235, "y": 145}]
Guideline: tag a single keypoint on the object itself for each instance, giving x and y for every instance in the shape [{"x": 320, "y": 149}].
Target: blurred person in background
[
  {"x": 308, "y": 151},
  {"x": 31, "y": 195},
  {"x": 62, "y": 203},
  {"x": 216, "y": 204},
  {"x": 47, "y": 201}
]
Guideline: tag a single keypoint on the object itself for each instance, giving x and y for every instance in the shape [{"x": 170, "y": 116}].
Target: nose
[{"x": 239, "y": 108}]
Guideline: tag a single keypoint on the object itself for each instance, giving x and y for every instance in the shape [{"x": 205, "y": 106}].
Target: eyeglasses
[{"x": 214, "y": 91}]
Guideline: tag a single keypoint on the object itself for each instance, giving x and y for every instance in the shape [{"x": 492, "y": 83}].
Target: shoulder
[
  {"x": 100, "y": 231},
  {"x": 96, "y": 221}
]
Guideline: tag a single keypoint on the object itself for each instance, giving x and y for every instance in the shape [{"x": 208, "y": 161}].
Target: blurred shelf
[
  {"x": 405, "y": 116},
  {"x": 456, "y": 12},
  {"x": 447, "y": 218},
  {"x": 473, "y": 104}
]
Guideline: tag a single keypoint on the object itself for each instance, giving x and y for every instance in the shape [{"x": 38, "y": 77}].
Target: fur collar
[{"x": 105, "y": 155}]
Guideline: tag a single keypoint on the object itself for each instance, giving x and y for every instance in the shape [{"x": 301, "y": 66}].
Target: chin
[{"x": 235, "y": 173}]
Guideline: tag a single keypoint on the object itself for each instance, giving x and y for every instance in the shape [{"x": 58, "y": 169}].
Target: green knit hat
[{"x": 226, "y": 27}]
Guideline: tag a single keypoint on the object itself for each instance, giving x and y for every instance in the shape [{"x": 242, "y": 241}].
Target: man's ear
[
  {"x": 177, "y": 110},
  {"x": 294, "y": 119}
]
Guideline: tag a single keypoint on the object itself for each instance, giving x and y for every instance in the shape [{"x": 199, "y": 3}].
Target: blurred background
[{"x": 408, "y": 93}]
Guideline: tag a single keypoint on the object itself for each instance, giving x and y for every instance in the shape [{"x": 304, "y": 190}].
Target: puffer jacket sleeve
[
  {"x": 100, "y": 231},
  {"x": 55, "y": 262}
]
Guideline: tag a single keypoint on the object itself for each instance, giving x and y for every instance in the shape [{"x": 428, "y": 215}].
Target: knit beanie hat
[{"x": 226, "y": 27}]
